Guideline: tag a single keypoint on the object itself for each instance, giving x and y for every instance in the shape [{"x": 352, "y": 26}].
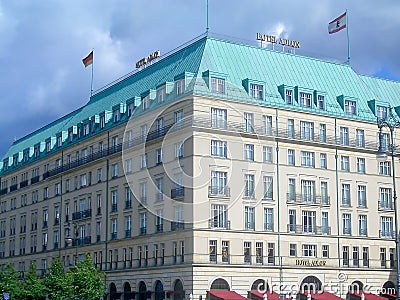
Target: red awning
[
  {"x": 226, "y": 295},
  {"x": 258, "y": 295},
  {"x": 324, "y": 296},
  {"x": 368, "y": 296}
]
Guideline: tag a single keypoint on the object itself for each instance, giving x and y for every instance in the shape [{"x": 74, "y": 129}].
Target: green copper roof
[{"x": 239, "y": 64}]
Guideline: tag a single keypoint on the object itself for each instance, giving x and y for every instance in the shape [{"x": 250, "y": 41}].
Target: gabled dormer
[
  {"x": 287, "y": 93},
  {"x": 255, "y": 88}
]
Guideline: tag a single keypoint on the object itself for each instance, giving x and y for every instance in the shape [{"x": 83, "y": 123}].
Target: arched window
[
  {"x": 389, "y": 290},
  {"x": 142, "y": 291},
  {"x": 128, "y": 295},
  {"x": 260, "y": 285},
  {"x": 220, "y": 284},
  {"x": 159, "y": 291},
  {"x": 179, "y": 294},
  {"x": 310, "y": 284},
  {"x": 113, "y": 291},
  {"x": 356, "y": 287}
]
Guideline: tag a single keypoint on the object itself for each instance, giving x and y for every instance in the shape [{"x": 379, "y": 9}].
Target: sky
[{"x": 42, "y": 43}]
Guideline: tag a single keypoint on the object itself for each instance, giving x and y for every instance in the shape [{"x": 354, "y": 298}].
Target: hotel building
[{"x": 219, "y": 166}]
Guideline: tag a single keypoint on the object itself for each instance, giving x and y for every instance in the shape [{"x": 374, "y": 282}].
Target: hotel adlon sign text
[{"x": 274, "y": 40}]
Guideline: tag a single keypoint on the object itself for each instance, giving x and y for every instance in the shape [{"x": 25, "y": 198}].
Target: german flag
[{"x": 88, "y": 60}]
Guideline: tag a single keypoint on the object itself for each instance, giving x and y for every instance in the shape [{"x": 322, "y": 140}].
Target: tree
[
  {"x": 10, "y": 283},
  {"x": 33, "y": 286},
  {"x": 57, "y": 282},
  {"x": 87, "y": 282}
]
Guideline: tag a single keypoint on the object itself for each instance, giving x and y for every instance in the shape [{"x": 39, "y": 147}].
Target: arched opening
[
  {"x": 113, "y": 291},
  {"x": 220, "y": 284},
  {"x": 179, "y": 293},
  {"x": 142, "y": 291},
  {"x": 356, "y": 287},
  {"x": 159, "y": 291},
  {"x": 128, "y": 295},
  {"x": 260, "y": 285},
  {"x": 389, "y": 290},
  {"x": 310, "y": 284}
]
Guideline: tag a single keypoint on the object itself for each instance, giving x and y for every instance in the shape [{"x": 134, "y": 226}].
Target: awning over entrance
[
  {"x": 256, "y": 295},
  {"x": 367, "y": 296},
  {"x": 224, "y": 295},
  {"x": 320, "y": 296}
]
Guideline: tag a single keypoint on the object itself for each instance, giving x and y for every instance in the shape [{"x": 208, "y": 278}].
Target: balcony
[
  {"x": 128, "y": 233},
  {"x": 82, "y": 214},
  {"x": 219, "y": 191},
  {"x": 309, "y": 229},
  {"x": 13, "y": 187},
  {"x": 23, "y": 184},
  {"x": 159, "y": 227},
  {"x": 269, "y": 227},
  {"x": 114, "y": 207},
  {"x": 178, "y": 193},
  {"x": 362, "y": 232},
  {"x": 143, "y": 230},
  {"x": 177, "y": 226},
  {"x": 113, "y": 236},
  {"x": 308, "y": 199},
  {"x": 220, "y": 224},
  {"x": 34, "y": 179},
  {"x": 386, "y": 234},
  {"x": 128, "y": 204},
  {"x": 385, "y": 205},
  {"x": 347, "y": 231},
  {"x": 4, "y": 191}
]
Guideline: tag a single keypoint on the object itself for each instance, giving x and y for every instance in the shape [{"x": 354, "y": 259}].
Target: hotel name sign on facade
[
  {"x": 149, "y": 58},
  {"x": 274, "y": 40}
]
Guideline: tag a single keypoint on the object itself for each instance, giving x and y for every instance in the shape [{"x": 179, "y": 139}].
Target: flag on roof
[
  {"x": 88, "y": 60},
  {"x": 338, "y": 24}
]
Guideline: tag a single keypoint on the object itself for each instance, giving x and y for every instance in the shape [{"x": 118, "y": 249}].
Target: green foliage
[
  {"x": 10, "y": 283},
  {"x": 32, "y": 285},
  {"x": 58, "y": 282},
  {"x": 87, "y": 282}
]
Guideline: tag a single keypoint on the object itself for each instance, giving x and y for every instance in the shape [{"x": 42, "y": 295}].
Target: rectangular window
[
  {"x": 290, "y": 127},
  {"x": 324, "y": 192},
  {"x": 385, "y": 168},
  {"x": 248, "y": 122},
  {"x": 218, "y": 148},
  {"x": 346, "y": 201},
  {"x": 289, "y": 97},
  {"x": 219, "y": 214},
  {"x": 345, "y": 163},
  {"x": 381, "y": 112},
  {"x": 383, "y": 257},
  {"x": 362, "y": 196},
  {"x": 268, "y": 219},
  {"x": 385, "y": 198},
  {"x": 365, "y": 257},
  {"x": 178, "y": 118},
  {"x": 249, "y": 152},
  {"x": 309, "y": 221},
  {"x": 179, "y": 150},
  {"x": 345, "y": 255},
  {"x": 159, "y": 156},
  {"x": 291, "y": 157},
  {"x": 356, "y": 257},
  {"x": 267, "y": 154},
  {"x": 225, "y": 251},
  {"x": 292, "y": 220},
  {"x": 218, "y": 183},
  {"x": 256, "y": 91},
  {"x": 217, "y": 85},
  {"x": 386, "y": 227},
  {"x": 305, "y": 100},
  {"x": 143, "y": 161},
  {"x": 350, "y": 107},
  {"x": 344, "y": 136},
  {"x": 362, "y": 225},
  {"x": 268, "y": 187},
  {"x": 180, "y": 87},
  {"x": 114, "y": 169},
  {"x": 218, "y": 118},
  {"x": 309, "y": 250},
  {"x": 322, "y": 133},
  {"x": 360, "y": 139},
  {"x": 249, "y": 185},
  {"x": 291, "y": 189},
  {"x": 346, "y": 223},
  {"x": 361, "y": 165},
  {"x": 321, "y": 102},
  {"x": 325, "y": 251},
  {"x": 247, "y": 252},
  {"x": 325, "y": 223},
  {"x": 161, "y": 94},
  {"x": 322, "y": 160},
  {"x": 249, "y": 218},
  {"x": 267, "y": 125},
  {"x": 259, "y": 252},
  {"x": 308, "y": 191},
  {"x": 292, "y": 250},
  {"x": 213, "y": 251},
  {"x": 307, "y": 159}
]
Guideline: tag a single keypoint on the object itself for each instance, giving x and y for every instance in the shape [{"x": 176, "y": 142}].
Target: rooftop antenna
[{"x": 207, "y": 18}]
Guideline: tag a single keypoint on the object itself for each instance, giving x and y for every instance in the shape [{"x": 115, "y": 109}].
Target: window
[
  {"x": 45, "y": 193},
  {"x": 309, "y": 221},
  {"x": 350, "y": 107},
  {"x": 308, "y": 191},
  {"x": 309, "y": 250},
  {"x": 217, "y": 85},
  {"x": 292, "y": 220},
  {"x": 218, "y": 117},
  {"x": 290, "y": 127},
  {"x": 386, "y": 227},
  {"x": 384, "y": 141},
  {"x": 324, "y": 192},
  {"x": 180, "y": 87},
  {"x": 114, "y": 169},
  {"x": 218, "y": 183},
  {"x": 179, "y": 150},
  {"x": 159, "y": 156},
  {"x": 325, "y": 223},
  {"x": 248, "y": 122},
  {"x": 321, "y": 102},
  {"x": 344, "y": 163},
  {"x": 218, "y": 148},
  {"x": 225, "y": 251},
  {"x": 116, "y": 116},
  {"x": 360, "y": 140},
  {"x": 291, "y": 157},
  {"x": 247, "y": 252},
  {"x": 346, "y": 223},
  {"x": 344, "y": 136},
  {"x": 143, "y": 192},
  {"x": 219, "y": 216},
  {"x": 159, "y": 188},
  {"x": 259, "y": 252},
  {"x": 322, "y": 133},
  {"x": 249, "y": 218},
  {"x": 128, "y": 166},
  {"x": 383, "y": 257},
  {"x": 292, "y": 250},
  {"x": 213, "y": 250},
  {"x": 268, "y": 219},
  {"x": 346, "y": 201},
  {"x": 267, "y": 125},
  {"x": 385, "y": 198},
  {"x": 159, "y": 220},
  {"x": 362, "y": 225},
  {"x": 178, "y": 118},
  {"x": 307, "y": 159},
  {"x": 360, "y": 165},
  {"x": 305, "y": 99},
  {"x": 248, "y": 152},
  {"x": 256, "y": 91},
  {"x": 143, "y": 132},
  {"x": 291, "y": 189},
  {"x": 249, "y": 185},
  {"x": 356, "y": 257},
  {"x": 381, "y": 112},
  {"x": 385, "y": 168},
  {"x": 345, "y": 255},
  {"x": 325, "y": 251},
  {"x": 268, "y": 187},
  {"x": 143, "y": 161},
  {"x": 99, "y": 175},
  {"x": 161, "y": 94},
  {"x": 143, "y": 223},
  {"x": 130, "y": 109},
  {"x": 267, "y": 154},
  {"x": 362, "y": 196},
  {"x": 365, "y": 257},
  {"x": 289, "y": 97},
  {"x": 145, "y": 102},
  {"x": 322, "y": 160}
]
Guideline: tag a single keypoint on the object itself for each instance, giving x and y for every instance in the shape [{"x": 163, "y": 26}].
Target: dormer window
[
  {"x": 102, "y": 121},
  {"x": 350, "y": 107},
  {"x": 289, "y": 97},
  {"x": 36, "y": 151},
  {"x": 145, "y": 102},
  {"x": 305, "y": 100},
  {"x": 59, "y": 141},
  {"x": 116, "y": 115},
  {"x": 15, "y": 160},
  {"x": 48, "y": 146},
  {"x": 180, "y": 87},
  {"x": 321, "y": 102},
  {"x": 256, "y": 91},
  {"x": 131, "y": 107},
  {"x": 86, "y": 129},
  {"x": 217, "y": 85},
  {"x": 161, "y": 93},
  {"x": 25, "y": 156},
  {"x": 381, "y": 112}
]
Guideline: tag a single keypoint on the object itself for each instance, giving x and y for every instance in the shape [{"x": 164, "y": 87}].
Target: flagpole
[
  {"x": 91, "y": 83},
  {"x": 207, "y": 18},
  {"x": 348, "y": 38}
]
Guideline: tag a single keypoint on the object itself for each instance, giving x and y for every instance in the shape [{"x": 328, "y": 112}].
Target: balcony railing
[
  {"x": 23, "y": 184},
  {"x": 308, "y": 229},
  {"x": 114, "y": 207},
  {"x": 219, "y": 191},
  {"x": 177, "y": 226},
  {"x": 178, "y": 192},
  {"x": 128, "y": 204},
  {"x": 221, "y": 224},
  {"x": 308, "y": 199},
  {"x": 143, "y": 230},
  {"x": 269, "y": 226},
  {"x": 159, "y": 227},
  {"x": 35, "y": 179},
  {"x": 385, "y": 205},
  {"x": 388, "y": 234},
  {"x": 13, "y": 187},
  {"x": 82, "y": 214},
  {"x": 128, "y": 233}
]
